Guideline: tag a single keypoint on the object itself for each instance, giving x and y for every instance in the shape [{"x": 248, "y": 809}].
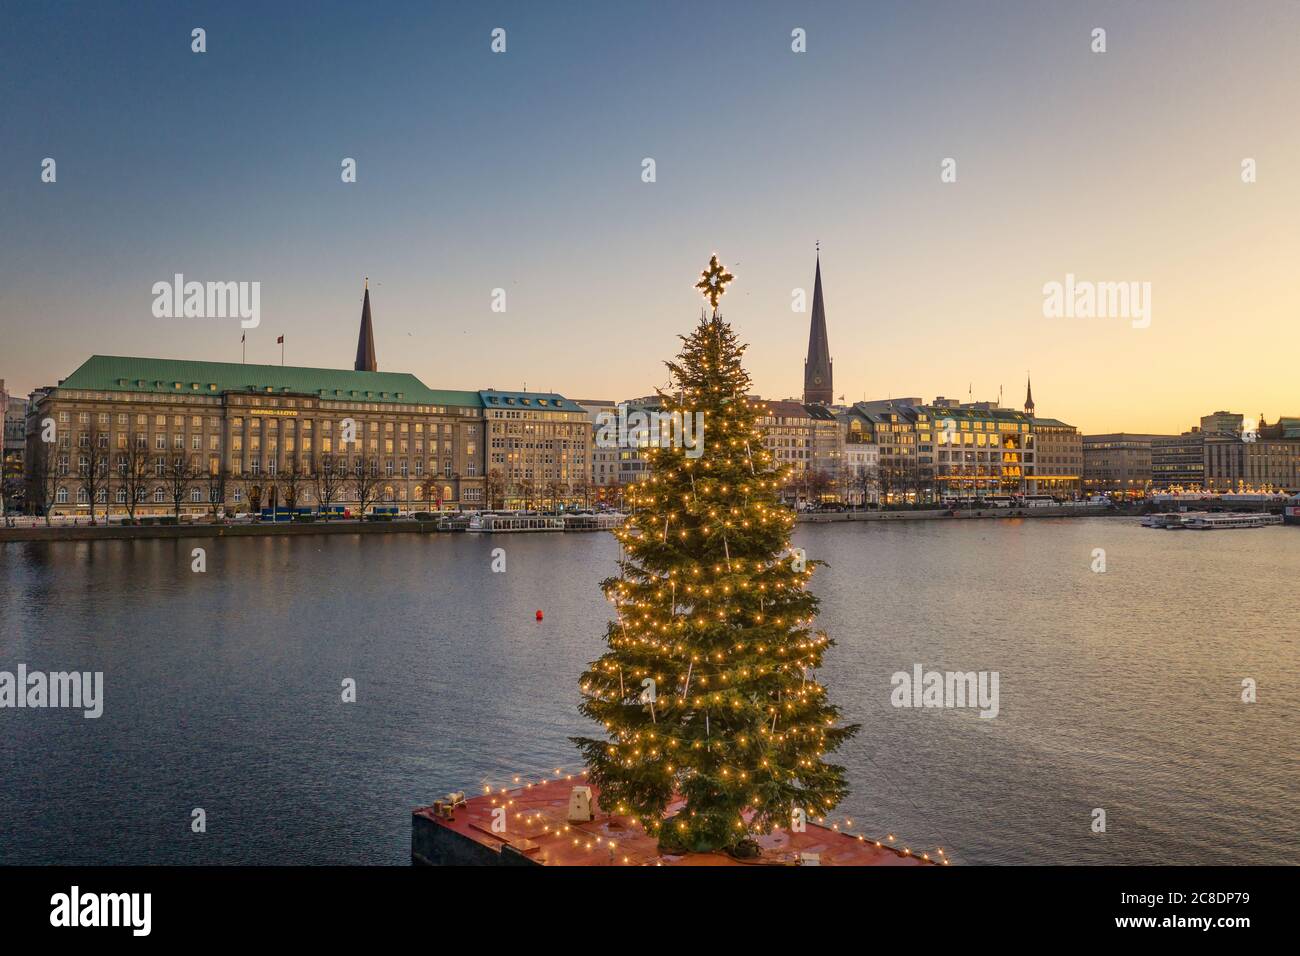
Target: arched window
[
  {"x": 121, "y": 496},
  {"x": 61, "y": 496},
  {"x": 82, "y": 497},
  {"x": 159, "y": 496}
]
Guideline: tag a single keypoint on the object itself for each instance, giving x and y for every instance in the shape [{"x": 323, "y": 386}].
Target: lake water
[{"x": 1118, "y": 690}]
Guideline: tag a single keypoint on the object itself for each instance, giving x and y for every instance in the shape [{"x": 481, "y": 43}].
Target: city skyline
[
  {"x": 366, "y": 347},
  {"x": 522, "y": 171}
]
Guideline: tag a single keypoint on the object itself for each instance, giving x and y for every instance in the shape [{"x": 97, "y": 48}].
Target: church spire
[
  {"x": 366, "y": 339},
  {"x": 817, "y": 385},
  {"x": 1029, "y": 396}
]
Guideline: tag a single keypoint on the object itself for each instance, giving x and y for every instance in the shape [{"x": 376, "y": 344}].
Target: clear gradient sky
[{"x": 523, "y": 171}]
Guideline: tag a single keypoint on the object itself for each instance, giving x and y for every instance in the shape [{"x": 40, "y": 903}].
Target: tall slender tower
[
  {"x": 1029, "y": 397},
  {"x": 366, "y": 339},
  {"x": 817, "y": 387}
]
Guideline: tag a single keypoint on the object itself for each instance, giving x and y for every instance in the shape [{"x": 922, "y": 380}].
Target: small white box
[{"x": 580, "y": 805}]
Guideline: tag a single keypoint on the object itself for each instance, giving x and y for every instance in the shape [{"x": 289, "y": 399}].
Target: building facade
[
  {"x": 604, "y": 460},
  {"x": 13, "y": 415},
  {"x": 982, "y": 449},
  {"x": 1178, "y": 462},
  {"x": 145, "y": 437},
  {"x": 1266, "y": 458},
  {"x": 1224, "y": 454},
  {"x": 861, "y": 480},
  {"x": 1118, "y": 464},
  {"x": 1058, "y": 458},
  {"x": 539, "y": 449}
]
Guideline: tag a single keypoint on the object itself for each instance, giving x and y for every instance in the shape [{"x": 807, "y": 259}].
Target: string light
[{"x": 712, "y": 614}]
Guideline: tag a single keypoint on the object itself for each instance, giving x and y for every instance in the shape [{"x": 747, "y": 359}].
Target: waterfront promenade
[
  {"x": 118, "y": 532},
  {"x": 28, "y": 531}
]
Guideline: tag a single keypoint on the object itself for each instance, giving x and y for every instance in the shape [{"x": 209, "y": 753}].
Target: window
[
  {"x": 61, "y": 497},
  {"x": 159, "y": 496}
]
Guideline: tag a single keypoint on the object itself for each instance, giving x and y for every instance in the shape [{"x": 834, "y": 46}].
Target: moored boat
[
  {"x": 1291, "y": 510},
  {"x": 1210, "y": 522}
]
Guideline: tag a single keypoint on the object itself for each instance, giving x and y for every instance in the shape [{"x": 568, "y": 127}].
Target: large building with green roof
[{"x": 148, "y": 436}]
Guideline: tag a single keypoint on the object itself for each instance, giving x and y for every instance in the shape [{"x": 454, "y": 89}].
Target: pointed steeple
[
  {"x": 817, "y": 386},
  {"x": 1029, "y": 396},
  {"x": 366, "y": 339}
]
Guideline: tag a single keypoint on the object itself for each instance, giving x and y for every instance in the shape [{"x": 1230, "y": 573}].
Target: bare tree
[
  {"x": 432, "y": 490},
  {"x": 553, "y": 491},
  {"x": 42, "y": 475},
  {"x": 93, "y": 468},
  {"x": 868, "y": 480},
  {"x": 292, "y": 481},
  {"x": 582, "y": 489},
  {"x": 216, "y": 480},
  {"x": 133, "y": 472},
  {"x": 494, "y": 489},
  {"x": 179, "y": 474},
  {"x": 366, "y": 483},
  {"x": 818, "y": 484},
  {"x": 329, "y": 477}
]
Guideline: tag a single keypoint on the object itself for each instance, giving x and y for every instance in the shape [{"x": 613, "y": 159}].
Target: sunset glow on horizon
[{"x": 523, "y": 172}]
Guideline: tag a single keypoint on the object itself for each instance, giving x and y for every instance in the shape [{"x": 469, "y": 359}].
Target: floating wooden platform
[{"x": 538, "y": 833}]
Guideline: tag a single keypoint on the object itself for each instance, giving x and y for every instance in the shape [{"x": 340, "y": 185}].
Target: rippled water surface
[{"x": 1118, "y": 690}]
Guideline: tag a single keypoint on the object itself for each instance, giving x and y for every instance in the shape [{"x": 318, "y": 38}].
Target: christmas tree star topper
[{"x": 713, "y": 281}]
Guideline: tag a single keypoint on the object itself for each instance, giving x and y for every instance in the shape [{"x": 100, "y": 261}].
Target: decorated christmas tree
[{"x": 708, "y": 688}]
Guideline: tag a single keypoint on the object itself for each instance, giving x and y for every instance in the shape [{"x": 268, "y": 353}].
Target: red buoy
[{"x": 539, "y": 615}]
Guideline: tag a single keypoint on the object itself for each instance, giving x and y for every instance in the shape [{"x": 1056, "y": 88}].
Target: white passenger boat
[
  {"x": 1171, "y": 520},
  {"x": 1210, "y": 522},
  {"x": 508, "y": 523}
]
